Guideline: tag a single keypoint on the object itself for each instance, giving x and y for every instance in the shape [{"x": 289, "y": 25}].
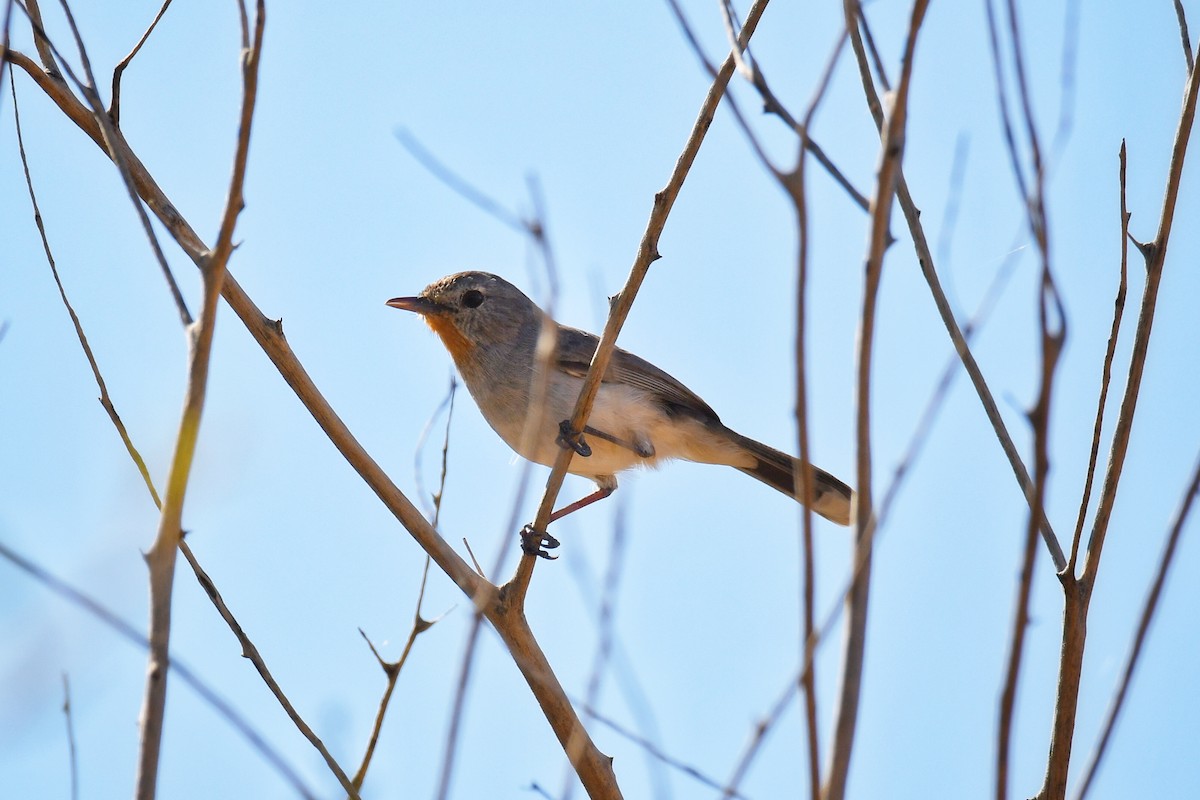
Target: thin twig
[
  {"x": 250, "y": 653},
  {"x": 230, "y": 714},
  {"x": 646, "y": 255},
  {"x": 72, "y": 760},
  {"x": 460, "y": 185},
  {"x": 869, "y": 41},
  {"x": 1141, "y": 341},
  {"x": 891, "y": 150},
  {"x": 604, "y": 624},
  {"x": 912, "y": 216},
  {"x": 773, "y": 105},
  {"x": 105, "y": 400},
  {"x": 458, "y": 709},
  {"x": 1070, "y": 51},
  {"x": 657, "y": 752},
  {"x": 929, "y": 414},
  {"x": 248, "y": 649},
  {"x": 392, "y": 669},
  {"x": 595, "y": 769},
  {"x": 1185, "y": 36},
  {"x": 1052, "y": 340},
  {"x": 40, "y": 41},
  {"x": 8, "y": 9},
  {"x": 1143, "y": 630},
  {"x": 435, "y": 498},
  {"x": 633, "y": 692},
  {"x": 794, "y": 184},
  {"x": 536, "y": 229},
  {"x": 420, "y": 624},
  {"x": 114, "y": 105},
  {"x": 161, "y": 556},
  {"x": 1052, "y": 329},
  {"x": 87, "y": 88},
  {"x": 1106, "y": 370},
  {"x": 1078, "y": 591},
  {"x": 758, "y": 737}
]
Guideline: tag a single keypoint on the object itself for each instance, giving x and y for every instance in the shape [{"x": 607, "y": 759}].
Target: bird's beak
[{"x": 420, "y": 305}]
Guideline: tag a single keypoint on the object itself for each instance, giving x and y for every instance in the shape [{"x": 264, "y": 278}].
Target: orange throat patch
[{"x": 454, "y": 341}]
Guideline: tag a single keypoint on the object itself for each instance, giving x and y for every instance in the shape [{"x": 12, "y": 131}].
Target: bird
[{"x": 642, "y": 416}]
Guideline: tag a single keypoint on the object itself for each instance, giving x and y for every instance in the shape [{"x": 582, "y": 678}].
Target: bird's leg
[
  {"x": 536, "y": 543},
  {"x": 599, "y": 494},
  {"x": 642, "y": 447},
  {"x": 570, "y": 440}
]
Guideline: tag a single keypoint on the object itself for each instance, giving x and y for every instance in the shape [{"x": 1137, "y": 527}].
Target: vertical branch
[
  {"x": 1106, "y": 371},
  {"x": 45, "y": 52},
  {"x": 912, "y": 216},
  {"x": 647, "y": 254},
  {"x": 130, "y": 634},
  {"x": 794, "y": 184},
  {"x": 114, "y": 104},
  {"x": 1139, "y": 639},
  {"x": 1078, "y": 590},
  {"x": 107, "y": 138},
  {"x": 1155, "y": 253},
  {"x": 891, "y": 151},
  {"x": 161, "y": 556},
  {"x": 1183, "y": 34},
  {"x": 1052, "y": 325},
  {"x": 73, "y": 761}
]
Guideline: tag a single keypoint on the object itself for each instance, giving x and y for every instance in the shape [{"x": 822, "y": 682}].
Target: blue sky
[{"x": 595, "y": 101}]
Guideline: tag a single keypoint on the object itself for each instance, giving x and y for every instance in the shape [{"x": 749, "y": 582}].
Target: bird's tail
[{"x": 831, "y": 497}]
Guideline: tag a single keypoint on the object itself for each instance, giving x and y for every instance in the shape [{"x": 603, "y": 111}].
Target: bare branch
[
  {"x": 160, "y": 558},
  {"x": 1141, "y": 340},
  {"x": 595, "y": 769},
  {"x": 891, "y": 150},
  {"x": 1143, "y": 630},
  {"x": 107, "y": 131},
  {"x": 434, "y": 510},
  {"x": 230, "y": 714},
  {"x": 105, "y": 400},
  {"x": 1078, "y": 591},
  {"x": 604, "y": 636},
  {"x": 8, "y": 8},
  {"x": 250, "y": 652},
  {"x": 757, "y": 737},
  {"x": 773, "y": 105},
  {"x": 392, "y": 670},
  {"x": 1184, "y": 35},
  {"x": 248, "y": 649},
  {"x": 1052, "y": 336},
  {"x": 657, "y": 752},
  {"x": 1106, "y": 370},
  {"x": 794, "y": 184},
  {"x": 73, "y": 761},
  {"x": 114, "y": 105},
  {"x": 646, "y": 255},
  {"x": 458, "y": 184},
  {"x": 44, "y": 48},
  {"x": 912, "y": 216}
]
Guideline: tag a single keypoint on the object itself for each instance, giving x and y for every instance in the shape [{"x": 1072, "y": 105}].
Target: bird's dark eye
[{"x": 472, "y": 298}]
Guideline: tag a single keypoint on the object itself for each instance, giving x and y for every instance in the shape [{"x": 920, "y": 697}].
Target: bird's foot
[
  {"x": 570, "y": 440},
  {"x": 535, "y": 542}
]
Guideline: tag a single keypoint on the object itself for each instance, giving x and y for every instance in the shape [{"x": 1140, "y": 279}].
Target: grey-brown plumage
[{"x": 642, "y": 416}]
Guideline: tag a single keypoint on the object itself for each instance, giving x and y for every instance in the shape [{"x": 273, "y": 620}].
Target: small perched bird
[{"x": 642, "y": 415}]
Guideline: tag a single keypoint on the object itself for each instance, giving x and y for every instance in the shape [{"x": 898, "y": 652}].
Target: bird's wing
[{"x": 575, "y": 351}]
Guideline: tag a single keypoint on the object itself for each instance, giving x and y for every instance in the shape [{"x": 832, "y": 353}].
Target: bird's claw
[
  {"x": 535, "y": 542},
  {"x": 571, "y": 440}
]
